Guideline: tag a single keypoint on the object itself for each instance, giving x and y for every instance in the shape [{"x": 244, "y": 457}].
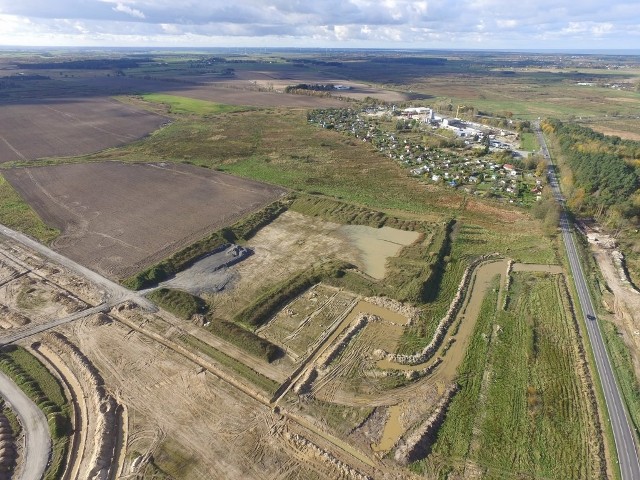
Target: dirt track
[
  {"x": 34, "y": 423},
  {"x": 70, "y": 127},
  {"x": 118, "y": 218}
]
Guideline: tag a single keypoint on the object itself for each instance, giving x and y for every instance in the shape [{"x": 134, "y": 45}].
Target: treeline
[
  {"x": 314, "y": 87},
  {"x": 585, "y": 140},
  {"x": 310, "y": 61},
  {"x": 604, "y": 181},
  {"x": 411, "y": 60},
  {"x": 88, "y": 64}
]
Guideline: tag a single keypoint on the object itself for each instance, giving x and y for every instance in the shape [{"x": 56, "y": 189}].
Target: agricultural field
[
  {"x": 119, "y": 218},
  {"x": 294, "y": 302},
  {"x": 69, "y": 127},
  {"x": 522, "y": 410}
]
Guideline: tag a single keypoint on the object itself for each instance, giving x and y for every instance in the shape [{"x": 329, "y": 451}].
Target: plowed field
[
  {"x": 118, "y": 218},
  {"x": 70, "y": 127}
]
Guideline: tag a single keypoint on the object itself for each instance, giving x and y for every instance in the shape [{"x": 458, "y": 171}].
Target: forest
[{"x": 604, "y": 177}]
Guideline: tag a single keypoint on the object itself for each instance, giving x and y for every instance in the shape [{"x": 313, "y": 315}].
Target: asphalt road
[
  {"x": 620, "y": 423},
  {"x": 35, "y": 428}
]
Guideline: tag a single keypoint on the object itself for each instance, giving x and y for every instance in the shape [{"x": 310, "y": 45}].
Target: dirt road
[
  {"x": 112, "y": 292},
  {"x": 36, "y": 430}
]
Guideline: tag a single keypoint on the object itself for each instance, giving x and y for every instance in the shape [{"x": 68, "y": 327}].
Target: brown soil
[
  {"x": 619, "y": 133},
  {"x": 118, "y": 218},
  {"x": 247, "y": 93},
  {"x": 70, "y": 127}
]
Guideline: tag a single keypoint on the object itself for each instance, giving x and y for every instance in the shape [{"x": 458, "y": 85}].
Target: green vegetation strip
[
  {"x": 17, "y": 214},
  {"x": 240, "y": 368},
  {"x": 625, "y": 373},
  {"x": 268, "y": 304},
  {"x": 522, "y": 410},
  {"x": 241, "y": 231},
  {"x": 186, "y": 105},
  {"x": 45, "y": 391},
  {"x": 245, "y": 339},
  {"x": 182, "y": 304},
  {"x": 350, "y": 214}
]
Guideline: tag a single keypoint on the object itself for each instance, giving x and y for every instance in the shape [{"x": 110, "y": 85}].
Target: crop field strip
[{"x": 523, "y": 407}]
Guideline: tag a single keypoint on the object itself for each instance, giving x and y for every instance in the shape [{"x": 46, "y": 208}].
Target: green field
[
  {"x": 529, "y": 142},
  {"x": 522, "y": 410},
  {"x": 190, "y": 106}
]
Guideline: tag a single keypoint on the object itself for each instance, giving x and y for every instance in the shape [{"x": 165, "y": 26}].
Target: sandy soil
[
  {"x": 70, "y": 127},
  {"x": 207, "y": 428},
  {"x": 295, "y": 241},
  {"x": 626, "y": 303},
  {"x": 290, "y": 244},
  {"x": 118, "y": 218}
]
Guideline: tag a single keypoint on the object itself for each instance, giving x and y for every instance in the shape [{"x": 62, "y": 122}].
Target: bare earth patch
[
  {"x": 247, "y": 93},
  {"x": 70, "y": 127},
  {"x": 616, "y": 132},
  {"x": 120, "y": 218}
]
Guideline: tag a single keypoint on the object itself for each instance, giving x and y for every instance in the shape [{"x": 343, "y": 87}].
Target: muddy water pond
[
  {"x": 393, "y": 430},
  {"x": 483, "y": 276},
  {"x": 375, "y": 245}
]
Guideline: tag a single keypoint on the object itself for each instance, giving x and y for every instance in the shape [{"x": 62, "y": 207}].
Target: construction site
[{"x": 149, "y": 392}]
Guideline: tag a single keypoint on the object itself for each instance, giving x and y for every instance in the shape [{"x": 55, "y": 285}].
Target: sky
[{"x": 451, "y": 24}]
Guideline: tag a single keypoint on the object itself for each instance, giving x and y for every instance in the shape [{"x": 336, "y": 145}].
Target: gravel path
[{"x": 36, "y": 430}]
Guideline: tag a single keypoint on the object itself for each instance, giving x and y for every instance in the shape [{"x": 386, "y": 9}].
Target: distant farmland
[
  {"x": 119, "y": 218},
  {"x": 70, "y": 127}
]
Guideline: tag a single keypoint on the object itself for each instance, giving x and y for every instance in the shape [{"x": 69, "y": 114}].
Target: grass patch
[
  {"x": 522, "y": 409},
  {"x": 15, "y": 213},
  {"x": 245, "y": 339},
  {"x": 181, "y": 304},
  {"x": 350, "y": 214},
  {"x": 342, "y": 419},
  {"x": 45, "y": 391},
  {"x": 529, "y": 142},
  {"x": 625, "y": 373},
  {"x": 255, "y": 378},
  {"x": 169, "y": 462},
  {"x": 190, "y": 106},
  {"x": 14, "y": 423},
  {"x": 239, "y": 232}
]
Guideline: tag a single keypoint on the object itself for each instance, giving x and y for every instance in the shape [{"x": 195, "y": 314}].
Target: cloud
[
  {"x": 128, "y": 10},
  {"x": 376, "y": 23}
]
